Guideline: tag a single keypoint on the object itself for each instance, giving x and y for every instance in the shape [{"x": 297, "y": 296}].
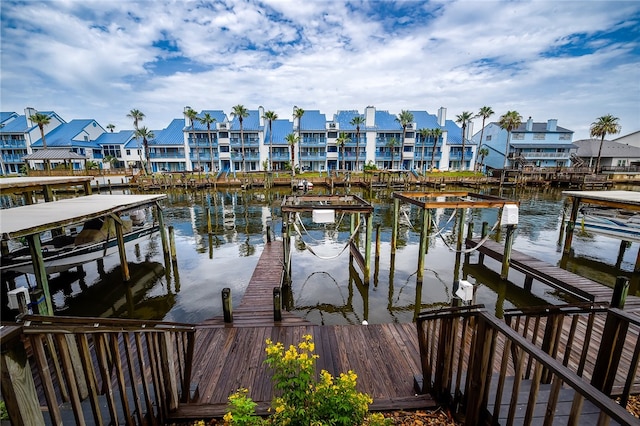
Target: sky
[{"x": 573, "y": 61}]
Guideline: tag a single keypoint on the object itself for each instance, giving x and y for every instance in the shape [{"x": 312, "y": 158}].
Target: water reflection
[{"x": 220, "y": 235}]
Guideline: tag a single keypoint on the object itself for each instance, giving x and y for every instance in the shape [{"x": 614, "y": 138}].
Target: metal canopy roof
[
  {"x": 341, "y": 203},
  {"x": 455, "y": 199},
  {"x": 14, "y": 183},
  {"x": 54, "y": 154},
  {"x": 27, "y": 220},
  {"x": 629, "y": 200}
]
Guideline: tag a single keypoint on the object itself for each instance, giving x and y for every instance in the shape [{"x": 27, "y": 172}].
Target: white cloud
[{"x": 100, "y": 59}]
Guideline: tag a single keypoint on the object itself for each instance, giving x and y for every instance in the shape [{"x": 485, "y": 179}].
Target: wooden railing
[
  {"x": 95, "y": 370},
  {"x": 599, "y": 344},
  {"x": 476, "y": 364}
]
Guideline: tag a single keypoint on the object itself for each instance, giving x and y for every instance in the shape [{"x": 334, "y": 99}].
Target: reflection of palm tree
[
  {"x": 607, "y": 124},
  {"x": 483, "y": 152}
]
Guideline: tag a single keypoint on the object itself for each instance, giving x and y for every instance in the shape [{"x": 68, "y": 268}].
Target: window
[
  {"x": 224, "y": 134},
  {"x": 517, "y": 136},
  {"x": 488, "y": 138},
  {"x": 539, "y": 136},
  {"x": 622, "y": 163},
  {"x": 128, "y": 152},
  {"x": 333, "y": 134},
  {"x": 565, "y": 136}
]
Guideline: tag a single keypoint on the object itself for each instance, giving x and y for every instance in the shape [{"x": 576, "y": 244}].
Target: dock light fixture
[
  {"x": 13, "y": 297},
  {"x": 509, "y": 214},
  {"x": 465, "y": 290},
  {"x": 324, "y": 216}
]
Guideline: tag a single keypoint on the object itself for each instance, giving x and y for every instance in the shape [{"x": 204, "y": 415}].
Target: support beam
[
  {"x": 423, "y": 243},
  {"x": 35, "y": 246},
  {"x": 506, "y": 258},
  {"x": 126, "y": 276},
  {"x": 163, "y": 235},
  {"x": 571, "y": 225},
  {"x": 367, "y": 254}
]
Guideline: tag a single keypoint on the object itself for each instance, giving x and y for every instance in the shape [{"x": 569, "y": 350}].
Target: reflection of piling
[
  {"x": 467, "y": 255},
  {"x": 485, "y": 231},
  {"x": 208, "y": 213},
  {"x": 377, "y": 242},
  {"x": 227, "y": 305}
]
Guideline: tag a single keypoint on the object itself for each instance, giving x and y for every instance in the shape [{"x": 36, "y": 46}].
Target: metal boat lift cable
[
  {"x": 307, "y": 232},
  {"x": 477, "y": 246},
  {"x": 355, "y": 232}
]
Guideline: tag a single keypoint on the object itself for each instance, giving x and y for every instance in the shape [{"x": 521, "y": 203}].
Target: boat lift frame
[{"x": 31, "y": 221}]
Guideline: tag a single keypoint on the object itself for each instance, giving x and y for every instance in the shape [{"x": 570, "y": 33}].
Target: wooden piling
[
  {"x": 172, "y": 243},
  {"x": 506, "y": 259},
  {"x": 227, "y": 306},
  {"x": 620, "y": 292},
  {"x": 126, "y": 276},
  {"x": 377, "y": 242}
]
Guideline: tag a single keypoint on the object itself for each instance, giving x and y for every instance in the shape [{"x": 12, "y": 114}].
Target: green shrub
[{"x": 303, "y": 399}]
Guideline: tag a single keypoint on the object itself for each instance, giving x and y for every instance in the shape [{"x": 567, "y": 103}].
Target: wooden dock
[
  {"x": 581, "y": 287},
  {"x": 228, "y": 356}
]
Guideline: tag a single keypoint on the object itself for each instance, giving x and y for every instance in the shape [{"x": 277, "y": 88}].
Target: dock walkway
[
  {"x": 553, "y": 276},
  {"x": 228, "y": 356}
]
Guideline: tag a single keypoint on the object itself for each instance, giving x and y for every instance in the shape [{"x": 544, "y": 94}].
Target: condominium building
[{"x": 215, "y": 142}]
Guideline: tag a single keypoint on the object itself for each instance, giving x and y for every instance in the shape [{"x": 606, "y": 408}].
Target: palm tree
[
  {"x": 42, "y": 120},
  {"x": 357, "y": 121},
  {"x": 297, "y": 113},
  {"x": 483, "y": 152},
  {"x": 270, "y": 116},
  {"x": 393, "y": 142},
  {"x": 607, "y": 124},
  {"x": 145, "y": 134},
  {"x": 110, "y": 160},
  {"x": 463, "y": 119},
  {"x": 424, "y": 134},
  {"x": 435, "y": 133},
  {"x": 208, "y": 120},
  {"x": 341, "y": 141},
  {"x": 241, "y": 113},
  {"x": 111, "y": 127},
  {"x": 192, "y": 116},
  {"x": 292, "y": 140},
  {"x": 137, "y": 116},
  {"x": 404, "y": 118},
  {"x": 509, "y": 121},
  {"x": 485, "y": 112}
]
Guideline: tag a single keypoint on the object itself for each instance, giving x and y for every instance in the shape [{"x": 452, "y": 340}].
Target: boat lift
[{"x": 31, "y": 221}]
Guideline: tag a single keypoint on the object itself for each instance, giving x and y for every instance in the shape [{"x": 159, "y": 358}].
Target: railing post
[
  {"x": 277, "y": 304},
  {"x": 620, "y": 292},
  {"x": 18, "y": 389}
]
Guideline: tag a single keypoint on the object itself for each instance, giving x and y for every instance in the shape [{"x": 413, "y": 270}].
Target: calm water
[{"x": 325, "y": 289}]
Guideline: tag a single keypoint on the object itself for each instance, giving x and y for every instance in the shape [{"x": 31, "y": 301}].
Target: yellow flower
[{"x": 228, "y": 417}]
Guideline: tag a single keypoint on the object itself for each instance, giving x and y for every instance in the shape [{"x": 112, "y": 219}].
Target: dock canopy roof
[
  {"x": 455, "y": 199},
  {"x": 54, "y": 154},
  {"x": 629, "y": 200},
  {"x": 32, "y": 219}
]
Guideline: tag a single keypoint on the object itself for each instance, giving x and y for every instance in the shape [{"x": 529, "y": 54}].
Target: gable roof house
[
  {"x": 202, "y": 143},
  {"x": 538, "y": 144},
  {"x": 311, "y": 149},
  {"x": 614, "y": 157}
]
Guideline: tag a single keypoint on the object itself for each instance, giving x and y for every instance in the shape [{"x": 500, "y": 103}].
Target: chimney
[
  {"x": 442, "y": 116},
  {"x": 261, "y": 115},
  {"x": 529, "y": 126},
  {"x": 370, "y": 116},
  {"x": 469, "y": 130},
  {"x": 28, "y": 112},
  {"x": 552, "y": 125}
]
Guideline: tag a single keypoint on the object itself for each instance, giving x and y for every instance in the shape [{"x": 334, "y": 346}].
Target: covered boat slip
[
  {"x": 32, "y": 220},
  {"x": 623, "y": 200},
  {"x": 29, "y": 185}
]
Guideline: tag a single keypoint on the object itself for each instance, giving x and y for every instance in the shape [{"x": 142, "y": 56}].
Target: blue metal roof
[
  {"x": 5, "y": 115},
  {"x": 313, "y": 120},
  {"x": 119, "y": 138},
  {"x": 343, "y": 118},
  {"x": 281, "y": 128},
  {"x": 387, "y": 121},
  {"x": 63, "y": 135},
  {"x": 454, "y": 133},
  {"x": 252, "y": 122},
  {"x": 171, "y": 135},
  {"x": 424, "y": 120},
  {"x": 219, "y": 115},
  {"x": 15, "y": 125}
]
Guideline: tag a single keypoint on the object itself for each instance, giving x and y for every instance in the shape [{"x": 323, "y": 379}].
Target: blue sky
[{"x": 570, "y": 60}]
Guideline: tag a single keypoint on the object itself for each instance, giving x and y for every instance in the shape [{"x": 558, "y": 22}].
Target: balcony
[{"x": 167, "y": 155}]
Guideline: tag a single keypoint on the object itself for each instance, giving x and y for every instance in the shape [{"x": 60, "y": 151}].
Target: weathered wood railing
[
  {"x": 106, "y": 371},
  {"x": 476, "y": 363},
  {"x": 573, "y": 334}
]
